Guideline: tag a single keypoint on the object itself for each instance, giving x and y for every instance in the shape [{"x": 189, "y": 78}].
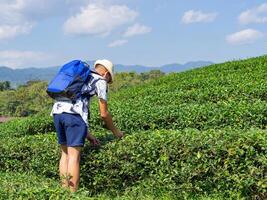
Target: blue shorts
[{"x": 71, "y": 129}]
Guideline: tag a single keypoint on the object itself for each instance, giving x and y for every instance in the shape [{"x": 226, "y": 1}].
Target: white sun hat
[{"x": 108, "y": 65}]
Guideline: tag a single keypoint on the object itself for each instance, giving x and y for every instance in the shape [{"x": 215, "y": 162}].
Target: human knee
[
  {"x": 74, "y": 153},
  {"x": 74, "y": 158},
  {"x": 64, "y": 157}
]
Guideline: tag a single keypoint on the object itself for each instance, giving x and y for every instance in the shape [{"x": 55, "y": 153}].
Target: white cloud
[
  {"x": 22, "y": 59},
  {"x": 246, "y": 36},
  {"x": 254, "y": 15},
  {"x": 117, "y": 43},
  {"x": 12, "y": 21},
  {"x": 92, "y": 16},
  {"x": 137, "y": 29},
  {"x": 8, "y": 32},
  {"x": 31, "y": 9},
  {"x": 198, "y": 16},
  {"x": 19, "y": 16},
  {"x": 99, "y": 19}
]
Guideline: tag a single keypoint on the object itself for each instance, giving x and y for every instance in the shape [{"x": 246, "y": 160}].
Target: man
[{"x": 71, "y": 122}]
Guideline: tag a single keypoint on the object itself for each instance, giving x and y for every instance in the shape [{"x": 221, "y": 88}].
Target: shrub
[
  {"x": 189, "y": 161},
  {"x": 31, "y": 186},
  {"x": 219, "y": 148},
  {"x": 231, "y": 94},
  {"x": 27, "y": 126},
  {"x": 36, "y": 154}
]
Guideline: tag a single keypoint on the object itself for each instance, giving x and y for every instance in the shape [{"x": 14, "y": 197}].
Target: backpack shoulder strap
[{"x": 88, "y": 94}]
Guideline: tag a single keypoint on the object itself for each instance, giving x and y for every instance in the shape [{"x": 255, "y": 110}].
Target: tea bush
[
  {"x": 196, "y": 134},
  {"x": 231, "y": 94},
  {"x": 27, "y": 126},
  {"x": 30, "y": 186},
  {"x": 189, "y": 161},
  {"x": 36, "y": 154}
]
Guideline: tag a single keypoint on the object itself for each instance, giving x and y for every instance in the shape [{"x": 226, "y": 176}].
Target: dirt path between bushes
[{"x": 5, "y": 119}]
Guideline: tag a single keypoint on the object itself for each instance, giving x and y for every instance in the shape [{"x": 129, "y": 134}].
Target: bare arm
[{"x": 103, "y": 108}]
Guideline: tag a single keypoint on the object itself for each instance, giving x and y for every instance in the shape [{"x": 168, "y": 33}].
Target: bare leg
[
  {"x": 74, "y": 154},
  {"x": 63, "y": 166}
]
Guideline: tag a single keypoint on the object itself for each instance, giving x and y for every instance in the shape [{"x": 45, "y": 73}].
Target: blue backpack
[{"x": 69, "y": 81}]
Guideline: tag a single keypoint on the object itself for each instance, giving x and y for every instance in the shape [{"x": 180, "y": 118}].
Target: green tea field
[{"x": 199, "y": 134}]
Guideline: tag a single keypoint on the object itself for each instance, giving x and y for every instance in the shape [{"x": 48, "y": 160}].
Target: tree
[
  {"x": 5, "y": 85},
  {"x": 153, "y": 74}
]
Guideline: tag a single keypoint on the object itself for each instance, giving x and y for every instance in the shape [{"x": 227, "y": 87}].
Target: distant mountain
[
  {"x": 133, "y": 68},
  {"x": 165, "y": 68},
  {"x": 21, "y": 76},
  {"x": 179, "y": 67}
]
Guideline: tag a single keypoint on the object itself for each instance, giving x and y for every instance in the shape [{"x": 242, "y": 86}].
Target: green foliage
[
  {"x": 35, "y": 154},
  {"x": 5, "y": 85},
  {"x": 31, "y": 98},
  {"x": 199, "y": 134},
  {"x": 30, "y": 186},
  {"x": 27, "y": 126},
  {"x": 153, "y": 74},
  {"x": 26, "y": 100},
  {"x": 126, "y": 79},
  {"x": 186, "y": 162},
  {"x": 230, "y": 94}
]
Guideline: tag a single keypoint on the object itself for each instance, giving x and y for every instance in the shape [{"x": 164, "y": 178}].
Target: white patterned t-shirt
[{"x": 97, "y": 86}]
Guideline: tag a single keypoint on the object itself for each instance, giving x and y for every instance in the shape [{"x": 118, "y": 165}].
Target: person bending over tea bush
[{"x": 72, "y": 88}]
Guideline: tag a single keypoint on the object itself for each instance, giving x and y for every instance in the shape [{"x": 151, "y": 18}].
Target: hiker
[{"x": 71, "y": 122}]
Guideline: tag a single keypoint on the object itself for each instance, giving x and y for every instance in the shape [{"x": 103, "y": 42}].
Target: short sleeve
[{"x": 102, "y": 89}]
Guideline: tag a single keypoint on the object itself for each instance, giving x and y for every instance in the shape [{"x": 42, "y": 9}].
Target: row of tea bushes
[
  {"x": 28, "y": 186},
  {"x": 231, "y": 94},
  {"x": 189, "y": 161},
  {"x": 214, "y": 161},
  {"x": 235, "y": 114},
  {"x": 27, "y": 126}
]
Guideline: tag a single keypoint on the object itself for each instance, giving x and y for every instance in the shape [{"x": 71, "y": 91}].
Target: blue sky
[{"x": 40, "y": 33}]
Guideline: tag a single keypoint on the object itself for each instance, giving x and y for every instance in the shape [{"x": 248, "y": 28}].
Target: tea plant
[{"x": 199, "y": 134}]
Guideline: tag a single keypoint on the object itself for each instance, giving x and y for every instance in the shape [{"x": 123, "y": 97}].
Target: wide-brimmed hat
[{"x": 108, "y": 65}]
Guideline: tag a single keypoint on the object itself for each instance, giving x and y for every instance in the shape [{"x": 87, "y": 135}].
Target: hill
[
  {"x": 199, "y": 134},
  {"x": 31, "y": 98},
  {"x": 21, "y": 76}
]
